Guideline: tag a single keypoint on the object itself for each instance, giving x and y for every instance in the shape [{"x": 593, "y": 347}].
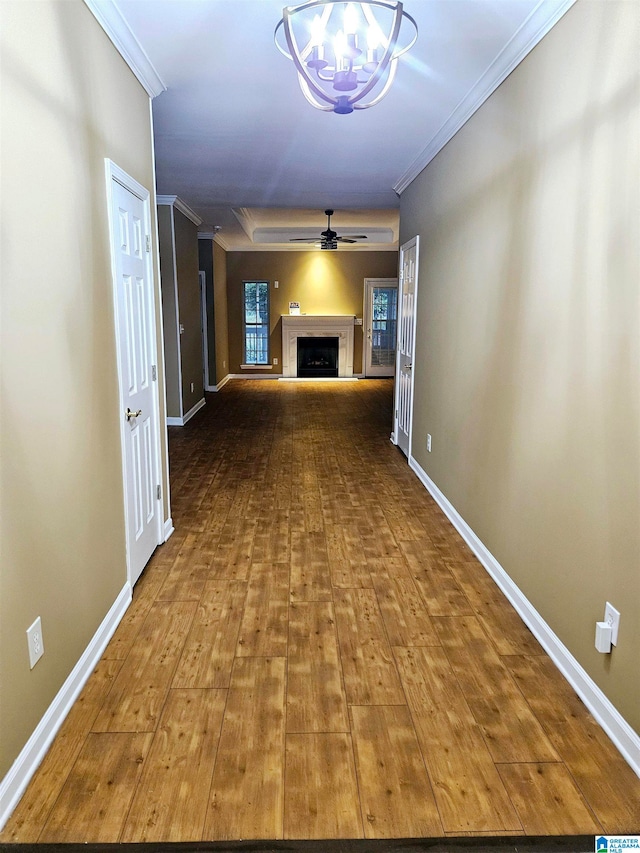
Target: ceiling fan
[{"x": 329, "y": 239}]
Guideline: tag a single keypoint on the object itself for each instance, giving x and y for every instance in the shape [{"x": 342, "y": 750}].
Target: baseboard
[
  {"x": 168, "y": 528},
  {"x": 221, "y": 384},
  {"x": 617, "y": 728},
  {"x": 192, "y": 411},
  {"x": 15, "y": 782},
  {"x": 255, "y": 376}
]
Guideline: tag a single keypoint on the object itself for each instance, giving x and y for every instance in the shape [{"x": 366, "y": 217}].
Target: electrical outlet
[
  {"x": 612, "y": 618},
  {"x": 224, "y": 363},
  {"x": 275, "y": 360},
  {"x": 428, "y": 443},
  {"x": 35, "y": 643}
]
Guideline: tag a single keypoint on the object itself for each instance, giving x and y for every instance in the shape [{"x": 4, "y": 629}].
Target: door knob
[{"x": 129, "y": 414}]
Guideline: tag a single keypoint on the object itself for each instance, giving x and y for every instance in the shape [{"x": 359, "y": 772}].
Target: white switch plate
[
  {"x": 35, "y": 642},
  {"x": 276, "y": 284},
  {"x": 275, "y": 360},
  {"x": 612, "y": 617},
  {"x": 428, "y": 443}
]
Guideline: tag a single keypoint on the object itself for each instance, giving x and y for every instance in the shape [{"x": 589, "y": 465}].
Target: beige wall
[
  {"x": 169, "y": 309},
  {"x": 190, "y": 311},
  {"x": 181, "y": 307},
  {"x": 221, "y": 311},
  {"x": 322, "y": 282},
  {"x": 68, "y": 101},
  {"x": 527, "y": 361}
]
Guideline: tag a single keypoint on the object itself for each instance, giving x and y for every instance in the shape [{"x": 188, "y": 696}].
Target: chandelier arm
[
  {"x": 386, "y": 59},
  {"x": 393, "y": 67},
  {"x": 306, "y": 91},
  {"x": 295, "y": 56}
]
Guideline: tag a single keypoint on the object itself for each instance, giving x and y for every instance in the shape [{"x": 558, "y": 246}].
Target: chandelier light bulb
[{"x": 345, "y": 53}]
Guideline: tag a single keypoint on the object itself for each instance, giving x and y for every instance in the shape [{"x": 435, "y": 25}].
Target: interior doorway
[
  {"x": 380, "y": 326},
  {"x": 408, "y": 288}
]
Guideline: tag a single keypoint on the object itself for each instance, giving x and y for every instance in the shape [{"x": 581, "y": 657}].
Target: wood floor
[{"x": 315, "y": 653}]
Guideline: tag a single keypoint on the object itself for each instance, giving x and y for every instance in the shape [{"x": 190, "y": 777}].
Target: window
[{"x": 256, "y": 321}]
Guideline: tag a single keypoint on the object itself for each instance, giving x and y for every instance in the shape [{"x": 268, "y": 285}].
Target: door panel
[
  {"x": 406, "y": 345},
  {"x": 381, "y": 313},
  {"x": 136, "y": 341}
]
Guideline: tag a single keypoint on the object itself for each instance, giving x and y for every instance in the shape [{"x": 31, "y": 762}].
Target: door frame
[
  {"x": 414, "y": 241},
  {"x": 369, "y": 284},
  {"x": 113, "y": 173}
]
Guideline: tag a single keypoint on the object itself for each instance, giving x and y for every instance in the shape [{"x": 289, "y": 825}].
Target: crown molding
[
  {"x": 206, "y": 235},
  {"x": 110, "y": 18},
  {"x": 246, "y": 220},
  {"x": 545, "y": 15},
  {"x": 179, "y": 204}
]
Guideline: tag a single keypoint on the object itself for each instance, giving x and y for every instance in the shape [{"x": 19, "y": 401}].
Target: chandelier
[{"x": 346, "y": 53}]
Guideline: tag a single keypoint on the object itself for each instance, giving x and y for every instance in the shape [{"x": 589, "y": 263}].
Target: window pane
[{"x": 256, "y": 322}]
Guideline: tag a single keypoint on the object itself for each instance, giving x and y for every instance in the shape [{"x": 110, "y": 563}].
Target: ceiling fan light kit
[
  {"x": 329, "y": 239},
  {"x": 346, "y": 54}
]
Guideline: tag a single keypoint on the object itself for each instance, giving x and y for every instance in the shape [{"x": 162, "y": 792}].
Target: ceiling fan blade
[
  {"x": 303, "y": 240},
  {"x": 352, "y": 238}
]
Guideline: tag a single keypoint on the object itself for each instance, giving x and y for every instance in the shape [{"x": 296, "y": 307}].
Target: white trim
[
  {"x": 169, "y": 529},
  {"x": 110, "y": 18},
  {"x": 166, "y": 480},
  {"x": 414, "y": 241},
  {"x": 15, "y": 782},
  {"x": 223, "y": 382},
  {"x": 182, "y": 206},
  {"x": 545, "y": 15},
  {"x": 318, "y": 378},
  {"x": 192, "y": 411},
  {"x": 606, "y": 714},
  {"x": 249, "y": 376},
  {"x": 256, "y": 366},
  {"x": 113, "y": 172},
  {"x": 176, "y": 302}
]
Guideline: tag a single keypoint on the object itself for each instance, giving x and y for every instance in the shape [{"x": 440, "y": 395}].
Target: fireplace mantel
[{"x": 317, "y": 326}]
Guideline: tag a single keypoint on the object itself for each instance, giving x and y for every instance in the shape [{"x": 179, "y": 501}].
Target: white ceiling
[{"x": 233, "y": 131}]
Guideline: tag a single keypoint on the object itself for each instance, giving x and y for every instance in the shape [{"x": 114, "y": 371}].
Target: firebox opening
[{"x": 317, "y": 357}]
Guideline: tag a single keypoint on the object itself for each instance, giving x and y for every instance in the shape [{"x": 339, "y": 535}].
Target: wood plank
[
  {"x": 321, "y": 791},
  {"x": 316, "y": 700},
  {"x": 395, "y": 792},
  {"x": 26, "y": 822},
  {"x": 144, "y": 594},
  {"x": 506, "y": 629},
  {"x": 547, "y": 800},
  {"x": 402, "y": 608},
  {"x": 439, "y": 589},
  {"x": 263, "y": 630},
  {"x": 186, "y": 578},
  {"x": 468, "y": 789},
  {"x": 95, "y": 799},
  {"x": 370, "y": 674},
  {"x": 232, "y": 556},
  {"x": 310, "y": 579},
  {"x": 347, "y": 564},
  {"x": 209, "y": 650},
  {"x": 140, "y": 688},
  {"x": 511, "y": 731},
  {"x": 609, "y": 784},
  {"x": 271, "y": 543},
  {"x": 246, "y": 798},
  {"x": 171, "y": 798}
]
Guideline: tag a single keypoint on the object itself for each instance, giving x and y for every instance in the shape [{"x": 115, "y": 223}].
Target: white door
[
  {"x": 381, "y": 322},
  {"x": 136, "y": 344},
  {"x": 406, "y": 345}
]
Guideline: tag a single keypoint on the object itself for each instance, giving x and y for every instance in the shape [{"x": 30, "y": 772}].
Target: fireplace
[
  {"x": 317, "y": 357},
  {"x": 323, "y": 327}
]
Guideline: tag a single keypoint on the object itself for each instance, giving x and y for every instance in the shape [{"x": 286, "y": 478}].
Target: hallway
[{"x": 315, "y": 653}]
